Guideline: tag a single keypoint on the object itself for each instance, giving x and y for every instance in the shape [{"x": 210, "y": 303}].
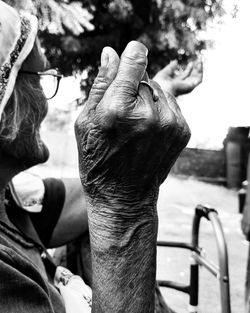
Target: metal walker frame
[{"x": 221, "y": 272}]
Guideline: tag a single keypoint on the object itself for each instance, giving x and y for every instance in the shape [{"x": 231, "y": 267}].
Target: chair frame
[{"x": 221, "y": 272}]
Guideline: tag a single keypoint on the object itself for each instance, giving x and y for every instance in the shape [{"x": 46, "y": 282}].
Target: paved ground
[{"x": 177, "y": 200}]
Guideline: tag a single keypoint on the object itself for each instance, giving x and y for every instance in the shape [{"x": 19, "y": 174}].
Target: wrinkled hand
[
  {"x": 180, "y": 82},
  {"x": 127, "y": 142}
]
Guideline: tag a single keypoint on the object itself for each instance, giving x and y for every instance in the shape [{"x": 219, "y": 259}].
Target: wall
[{"x": 208, "y": 165}]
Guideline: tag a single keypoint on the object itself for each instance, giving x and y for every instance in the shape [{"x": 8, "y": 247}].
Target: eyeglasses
[{"x": 49, "y": 81}]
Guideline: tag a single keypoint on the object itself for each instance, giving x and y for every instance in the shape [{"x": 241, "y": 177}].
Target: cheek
[
  {"x": 39, "y": 105},
  {"x": 44, "y": 109},
  {"x": 40, "y": 110}
]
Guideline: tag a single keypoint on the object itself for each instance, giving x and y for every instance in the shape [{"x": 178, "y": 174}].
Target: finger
[
  {"x": 193, "y": 80},
  {"x": 107, "y": 73},
  {"x": 187, "y": 71},
  {"x": 170, "y": 114},
  {"x": 199, "y": 65},
  {"x": 166, "y": 109},
  {"x": 167, "y": 99},
  {"x": 198, "y": 71},
  {"x": 145, "y": 93},
  {"x": 132, "y": 66},
  {"x": 170, "y": 68},
  {"x": 153, "y": 92}
]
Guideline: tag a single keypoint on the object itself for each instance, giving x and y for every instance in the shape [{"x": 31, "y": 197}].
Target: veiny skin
[{"x": 127, "y": 144}]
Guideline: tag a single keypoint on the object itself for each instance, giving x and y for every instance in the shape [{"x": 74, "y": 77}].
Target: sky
[{"x": 222, "y": 100}]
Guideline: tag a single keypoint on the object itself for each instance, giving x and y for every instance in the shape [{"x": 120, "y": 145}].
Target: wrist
[
  {"x": 114, "y": 222},
  {"x": 125, "y": 196},
  {"x": 123, "y": 250}
]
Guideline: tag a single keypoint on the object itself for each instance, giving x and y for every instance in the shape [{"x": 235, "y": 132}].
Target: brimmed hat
[{"x": 17, "y": 36}]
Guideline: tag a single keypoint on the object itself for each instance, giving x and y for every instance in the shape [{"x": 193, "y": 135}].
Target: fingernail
[
  {"x": 104, "y": 58},
  {"x": 134, "y": 47}
]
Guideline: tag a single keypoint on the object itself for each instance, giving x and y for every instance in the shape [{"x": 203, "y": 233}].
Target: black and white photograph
[{"x": 124, "y": 156}]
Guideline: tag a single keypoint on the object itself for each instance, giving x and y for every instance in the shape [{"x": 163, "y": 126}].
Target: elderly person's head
[{"x": 23, "y": 104}]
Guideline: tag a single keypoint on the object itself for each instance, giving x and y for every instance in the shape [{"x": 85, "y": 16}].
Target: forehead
[{"x": 36, "y": 60}]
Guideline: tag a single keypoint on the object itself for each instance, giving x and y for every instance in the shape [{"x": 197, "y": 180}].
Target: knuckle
[
  {"x": 123, "y": 91},
  {"x": 186, "y": 128},
  {"x": 100, "y": 84},
  {"x": 177, "y": 126},
  {"x": 121, "y": 85},
  {"x": 172, "y": 120},
  {"x": 150, "y": 119},
  {"x": 186, "y": 134},
  {"x": 165, "y": 117}
]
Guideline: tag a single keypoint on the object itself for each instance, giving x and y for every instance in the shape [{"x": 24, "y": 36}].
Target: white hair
[{"x": 18, "y": 107}]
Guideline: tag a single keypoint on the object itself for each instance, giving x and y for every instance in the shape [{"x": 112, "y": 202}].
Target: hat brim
[{"x": 25, "y": 51}]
